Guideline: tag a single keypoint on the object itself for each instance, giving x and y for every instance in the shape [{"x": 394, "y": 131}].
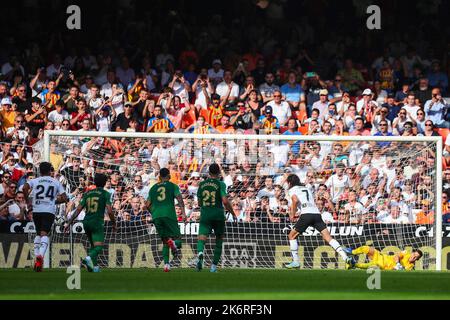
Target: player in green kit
[
  {"x": 161, "y": 201},
  {"x": 94, "y": 202},
  {"x": 212, "y": 197}
]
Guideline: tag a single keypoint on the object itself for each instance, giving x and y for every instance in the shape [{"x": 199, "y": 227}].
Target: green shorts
[
  {"x": 95, "y": 230},
  {"x": 167, "y": 227},
  {"x": 207, "y": 225}
]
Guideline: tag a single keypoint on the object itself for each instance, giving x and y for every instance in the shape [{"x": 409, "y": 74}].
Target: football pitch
[{"x": 188, "y": 284}]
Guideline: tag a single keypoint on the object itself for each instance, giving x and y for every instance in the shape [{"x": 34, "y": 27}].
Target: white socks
[
  {"x": 293, "y": 244},
  {"x": 337, "y": 247},
  {"x": 44, "y": 246},
  {"x": 37, "y": 245}
]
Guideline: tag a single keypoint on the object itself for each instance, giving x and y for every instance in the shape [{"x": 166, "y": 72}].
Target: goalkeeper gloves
[{"x": 399, "y": 266}]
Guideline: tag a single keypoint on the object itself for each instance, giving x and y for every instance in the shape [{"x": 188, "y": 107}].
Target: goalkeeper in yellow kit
[{"x": 402, "y": 260}]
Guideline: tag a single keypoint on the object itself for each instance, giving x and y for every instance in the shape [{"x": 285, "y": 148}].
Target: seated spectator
[
  {"x": 292, "y": 91},
  {"x": 395, "y": 216},
  {"x": 245, "y": 118},
  {"x": 281, "y": 109},
  {"x": 267, "y": 122}
]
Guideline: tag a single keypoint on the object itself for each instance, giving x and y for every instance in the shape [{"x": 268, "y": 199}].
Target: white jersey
[
  {"x": 305, "y": 198},
  {"x": 44, "y": 192}
]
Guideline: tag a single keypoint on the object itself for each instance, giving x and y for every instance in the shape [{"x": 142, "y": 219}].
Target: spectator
[
  {"x": 281, "y": 109},
  {"x": 267, "y": 89},
  {"x": 268, "y": 122},
  {"x": 436, "y": 108},
  {"x": 410, "y": 106}
]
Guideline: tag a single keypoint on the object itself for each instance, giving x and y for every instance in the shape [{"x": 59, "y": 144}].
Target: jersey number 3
[{"x": 161, "y": 194}]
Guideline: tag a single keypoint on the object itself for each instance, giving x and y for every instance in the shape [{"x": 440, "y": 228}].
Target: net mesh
[{"x": 384, "y": 196}]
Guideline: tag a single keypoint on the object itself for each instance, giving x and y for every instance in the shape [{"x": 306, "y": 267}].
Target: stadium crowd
[{"x": 261, "y": 89}]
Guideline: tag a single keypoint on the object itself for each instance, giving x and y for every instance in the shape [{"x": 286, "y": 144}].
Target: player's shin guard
[
  {"x": 200, "y": 246},
  {"x": 94, "y": 252},
  {"x": 178, "y": 243},
  {"x": 293, "y": 244},
  {"x": 165, "y": 253},
  {"x": 44, "y": 246},
  {"x": 217, "y": 251},
  {"x": 37, "y": 245},
  {"x": 337, "y": 247}
]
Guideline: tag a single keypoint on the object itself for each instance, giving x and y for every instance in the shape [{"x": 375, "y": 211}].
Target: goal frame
[{"x": 436, "y": 139}]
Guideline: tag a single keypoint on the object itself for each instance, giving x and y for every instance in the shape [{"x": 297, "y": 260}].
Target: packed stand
[{"x": 398, "y": 93}]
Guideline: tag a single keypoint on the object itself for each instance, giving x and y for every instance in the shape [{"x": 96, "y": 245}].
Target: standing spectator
[
  {"x": 436, "y": 108},
  {"x": 158, "y": 123},
  {"x": 58, "y": 115},
  {"x": 76, "y": 118},
  {"x": 411, "y": 106},
  {"x": 392, "y": 108},
  {"x": 18, "y": 132},
  {"x": 7, "y": 114},
  {"x": 50, "y": 95},
  {"x": 23, "y": 103}
]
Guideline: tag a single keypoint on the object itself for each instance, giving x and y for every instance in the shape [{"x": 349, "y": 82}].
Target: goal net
[{"x": 376, "y": 191}]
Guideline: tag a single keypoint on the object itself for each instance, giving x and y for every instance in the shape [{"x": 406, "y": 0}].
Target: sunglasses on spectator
[
  {"x": 428, "y": 125},
  {"x": 384, "y": 111},
  {"x": 277, "y": 96},
  {"x": 420, "y": 113},
  {"x": 383, "y": 125},
  {"x": 402, "y": 112}
]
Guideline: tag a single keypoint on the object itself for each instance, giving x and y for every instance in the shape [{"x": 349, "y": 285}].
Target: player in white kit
[
  {"x": 302, "y": 200},
  {"x": 43, "y": 194}
]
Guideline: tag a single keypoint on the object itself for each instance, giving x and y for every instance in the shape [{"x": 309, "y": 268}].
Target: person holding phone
[{"x": 436, "y": 109}]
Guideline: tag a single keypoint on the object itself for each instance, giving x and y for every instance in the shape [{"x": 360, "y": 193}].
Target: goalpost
[{"x": 410, "y": 166}]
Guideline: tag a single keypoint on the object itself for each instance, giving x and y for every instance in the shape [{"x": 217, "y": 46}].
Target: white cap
[
  {"x": 217, "y": 61},
  {"x": 367, "y": 92},
  {"x": 6, "y": 100},
  {"x": 195, "y": 174},
  {"x": 75, "y": 141}
]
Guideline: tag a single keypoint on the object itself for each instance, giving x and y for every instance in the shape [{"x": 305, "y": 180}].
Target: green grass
[{"x": 226, "y": 284}]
